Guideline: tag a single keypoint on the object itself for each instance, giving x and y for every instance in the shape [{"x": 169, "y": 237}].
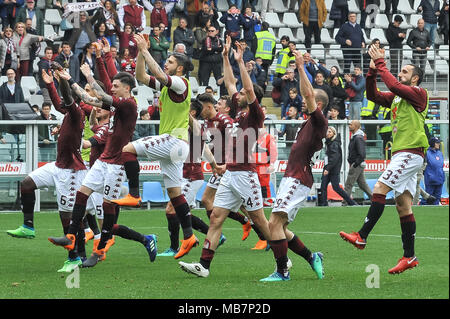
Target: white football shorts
[
  {"x": 290, "y": 196},
  {"x": 190, "y": 189},
  {"x": 239, "y": 188},
  {"x": 66, "y": 182},
  {"x": 106, "y": 179}
]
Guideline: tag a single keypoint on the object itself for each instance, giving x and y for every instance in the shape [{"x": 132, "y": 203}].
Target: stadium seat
[
  {"x": 43, "y": 45},
  {"x": 336, "y": 52},
  {"x": 30, "y": 83},
  {"x": 382, "y": 6},
  {"x": 371, "y": 183},
  {"x": 428, "y": 69},
  {"x": 301, "y": 35},
  {"x": 405, "y": 8},
  {"x": 288, "y": 32},
  {"x": 407, "y": 52},
  {"x": 35, "y": 66},
  {"x": 332, "y": 62},
  {"x": 212, "y": 83},
  {"x": 442, "y": 67},
  {"x": 328, "y": 4},
  {"x": 147, "y": 30},
  {"x": 279, "y": 6},
  {"x": 381, "y": 21},
  {"x": 40, "y": 4},
  {"x": 273, "y": 20},
  {"x": 52, "y": 16},
  {"x": 413, "y": 18},
  {"x": 273, "y": 192},
  {"x": 332, "y": 195},
  {"x": 335, "y": 31},
  {"x": 443, "y": 52},
  {"x": 36, "y": 99},
  {"x": 48, "y": 30},
  {"x": 194, "y": 84},
  {"x": 219, "y": 15},
  {"x": 290, "y": 19},
  {"x": 152, "y": 192},
  {"x": 200, "y": 192},
  {"x": 3, "y": 79},
  {"x": 318, "y": 51},
  {"x": 329, "y": 24},
  {"x": 26, "y": 94},
  {"x": 353, "y": 7},
  {"x": 378, "y": 34},
  {"x": 145, "y": 92},
  {"x": 325, "y": 36},
  {"x": 222, "y": 5}
]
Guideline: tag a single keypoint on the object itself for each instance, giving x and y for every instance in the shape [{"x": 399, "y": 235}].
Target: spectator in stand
[
  {"x": 284, "y": 84},
  {"x": 319, "y": 83},
  {"x": 339, "y": 12},
  {"x": 395, "y": 36},
  {"x": 430, "y": 14},
  {"x": 264, "y": 46},
  {"x": 29, "y": 11},
  {"x": 211, "y": 57},
  {"x": 420, "y": 41},
  {"x": 366, "y": 56},
  {"x": 333, "y": 114},
  {"x": 82, "y": 35},
  {"x": 282, "y": 56},
  {"x": 192, "y": 8},
  {"x": 107, "y": 14},
  {"x": 307, "y": 63},
  {"x": 209, "y": 90},
  {"x": 44, "y": 65},
  {"x": 143, "y": 130},
  {"x": 158, "y": 13},
  {"x": 11, "y": 91},
  {"x": 158, "y": 46},
  {"x": 391, "y": 4},
  {"x": 260, "y": 74},
  {"x": 23, "y": 42},
  {"x": 35, "y": 47},
  {"x": 88, "y": 57},
  {"x": 183, "y": 34},
  {"x": 46, "y": 133},
  {"x": 332, "y": 168},
  {"x": 444, "y": 21},
  {"x": 205, "y": 14},
  {"x": 232, "y": 20},
  {"x": 313, "y": 14},
  {"x": 295, "y": 100},
  {"x": 101, "y": 31},
  {"x": 362, "y": 4},
  {"x": 266, "y": 6},
  {"x": 335, "y": 71},
  {"x": 351, "y": 39},
  {"x": 127, "y": 62},
  {"x": 200, "y": 34},
  {"x": 434, "y": 172},
  {"x": 339, "y": 96},
  {"x": 290, "y": 130},
  {"x": 357, "y": 84},
  {"x": 8, "y": 52},
  {"x": 249, "y": 20},
  {"x": 132, "y": 13},
  {"x": 127, "y": 41},
  {"x": 8, "y": 11},
  {"x": 356, "y": 158},
  {"x": 69, "y": 61},
  {"x": 115, "y": 57}
]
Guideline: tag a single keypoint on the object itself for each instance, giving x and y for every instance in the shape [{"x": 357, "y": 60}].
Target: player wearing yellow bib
[
  {"x": 171, "y": 146},
  {"x": 409, "y": 105}
]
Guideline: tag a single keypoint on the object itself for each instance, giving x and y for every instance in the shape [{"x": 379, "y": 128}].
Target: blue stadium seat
[
  {"x": 273, "y": 193},
  {"x": 371, "y": 183},
  {"x": 153, "y": 192},
  {"x": 200, "y": 192}
]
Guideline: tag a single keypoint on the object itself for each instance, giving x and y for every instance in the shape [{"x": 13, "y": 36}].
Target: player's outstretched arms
[
  {"x": 102, "y": 96},
  {"x": 228, "y": 76},
  {"x": 306, "y": 88},
  {"x": 153, "y": 66}
]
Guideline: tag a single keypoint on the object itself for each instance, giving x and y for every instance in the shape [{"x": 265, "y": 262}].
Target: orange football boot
[
  {"x": 354, "y": 239},
  {"x": 68, "y": 241},
  {"x": 129, "y": 201},
  {"x": 247, "y": 229},
  {"x": 186, "y": 246},
  {"x": 260, "y": 245},
  {"x": 403, "y": 264}
]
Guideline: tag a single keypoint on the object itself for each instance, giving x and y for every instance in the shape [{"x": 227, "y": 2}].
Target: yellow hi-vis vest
[
  {"x": 266, "y": 43},
  {"x": 283, "y": 60},
  {"x": 368, "y": 106},
  {"x": 382, "y": 115}
]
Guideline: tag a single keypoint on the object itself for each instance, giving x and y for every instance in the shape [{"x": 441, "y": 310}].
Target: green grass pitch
[{"x": 28, "y": 267}]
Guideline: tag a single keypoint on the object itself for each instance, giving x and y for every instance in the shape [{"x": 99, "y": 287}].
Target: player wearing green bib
[
  {"x": 409, "y": 105},
  {"x": 171, "y": 146}
]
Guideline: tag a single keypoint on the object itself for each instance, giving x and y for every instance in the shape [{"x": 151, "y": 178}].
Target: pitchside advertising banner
[{"x": 372, "y": 166}]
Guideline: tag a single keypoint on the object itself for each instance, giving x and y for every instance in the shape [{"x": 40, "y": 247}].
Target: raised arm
[
  {"x": 306, "y": 88},
  {"x": 245, "y": 77},
  {"x": 56, "y": 100},
  {"x": 103, "y": 97},
  {"x": 228, "y": 76},
  {"x": 80, "y": 92},
  {"x": 110, "y": 65},
  {"x": 152, "y": 65}
]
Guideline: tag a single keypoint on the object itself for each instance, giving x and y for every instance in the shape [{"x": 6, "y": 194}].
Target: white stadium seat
[
  {"x": 273, "y": 20},
  {"x": 336, "y": 52},
  {"x": 278, "y": 6},
  {"x": 325, "y": 36},
  {"x": 288, "y": 32},
  {"x": 443, "y": 52},
  {"x": 378, "y": 34},
  {"x": 30, "y": 83},
  {"x": 381, "y": 21},
  {"x": 290, "y": 19},
  {"x": 318, "y": 51},
  {"x": 413, "y": 18},
  {"x": 53, "y": 17},
  {"x": 405, "y": 8},
  {"x": 442, "y": 67}
]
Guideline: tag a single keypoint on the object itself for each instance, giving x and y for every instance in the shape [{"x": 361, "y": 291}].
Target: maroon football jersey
[
  {"x": 101, "y": 136},
  {"x": 121, "y": 127},
  {"x": 216, "y": 128},
  {"x": 69, "y": 139},
  {"x": 308, "y": 141},
  {"x": 192, "y": 168},
  {"x": 243, "y": 138}
]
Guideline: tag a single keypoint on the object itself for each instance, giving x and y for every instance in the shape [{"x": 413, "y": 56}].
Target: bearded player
[{"x": 409, "y": 106}]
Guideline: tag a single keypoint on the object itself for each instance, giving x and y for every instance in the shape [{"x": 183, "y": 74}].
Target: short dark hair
[
  {"x": 264, "y": 26},
  {"x": 209, "y": 88},
  {"x": 206, "y": 98},
  {"x": 357, "y": 66},
  {"x": 47, "y": 104},
  {"x": 285, "y": 37},
  {"x": 142, "y": 113},
  {"x": 398, "y": 18},
  {"x": 65, "y": 43},
  {"x": 335, "y": 107},
  {"x": 291, "y": 42},
  {"x": 417, "y": 71},
  {"x": 259, "y": 92},
  {"x": 184, "y": 61},
  {"x": 126, "y": 78},
  {"x": 48, "y": 48},
  {"x": 197, "y": 106}
]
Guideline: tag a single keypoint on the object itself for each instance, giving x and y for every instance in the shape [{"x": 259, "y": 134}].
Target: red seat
[{"x": 332, "y": 195}]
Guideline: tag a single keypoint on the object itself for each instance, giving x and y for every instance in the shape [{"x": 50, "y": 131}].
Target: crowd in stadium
[
  {"x": 27, "y": 49},
  {"x": 108, "y": 50}
]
